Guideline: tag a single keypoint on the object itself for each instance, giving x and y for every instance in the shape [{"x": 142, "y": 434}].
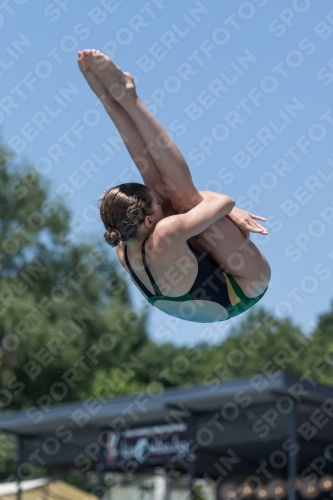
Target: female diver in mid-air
[{"x": 188, "y": 251}]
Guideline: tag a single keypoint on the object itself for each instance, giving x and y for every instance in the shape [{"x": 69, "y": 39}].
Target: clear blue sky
[{"x": 250, "y": 85}]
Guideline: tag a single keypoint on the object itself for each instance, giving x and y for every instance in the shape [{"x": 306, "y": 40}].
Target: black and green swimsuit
[{"x": 214, "y": 295}]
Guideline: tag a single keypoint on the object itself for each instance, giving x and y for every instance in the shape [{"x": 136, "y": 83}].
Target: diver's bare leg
[
  {"x": 169, "y": 160},
  {"x": 131, "y": 136},
  {"x": 228, "y": 246}
]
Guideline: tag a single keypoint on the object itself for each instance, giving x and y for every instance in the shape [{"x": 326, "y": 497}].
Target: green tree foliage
[
  {"x": 317, "y": 362},
  {"x": 65, "y": 312},
  {"x": 259, "y": 343}
]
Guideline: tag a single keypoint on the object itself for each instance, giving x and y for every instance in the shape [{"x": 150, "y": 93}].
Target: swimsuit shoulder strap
[
  {"x": 135, "y": 277},
  {"x": 144, "y": 260}
]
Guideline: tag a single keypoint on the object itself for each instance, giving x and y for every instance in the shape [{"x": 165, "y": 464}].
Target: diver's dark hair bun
[{"x": 112, "y": 237}]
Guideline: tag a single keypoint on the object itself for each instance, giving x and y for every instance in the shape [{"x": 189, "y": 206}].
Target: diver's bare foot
[
  {"x": 95, "y": 85},
  {"x": 117, "y": 82}
]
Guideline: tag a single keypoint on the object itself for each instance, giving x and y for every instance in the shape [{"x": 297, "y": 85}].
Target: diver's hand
[{"x": 247, "y": 221}]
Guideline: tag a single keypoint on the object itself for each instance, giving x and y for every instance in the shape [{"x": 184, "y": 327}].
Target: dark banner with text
[{"x": 147, "y": 445}]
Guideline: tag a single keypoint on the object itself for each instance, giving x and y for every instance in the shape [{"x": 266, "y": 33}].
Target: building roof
[
  {"x": 252, "y": 418},
  {"x": 151, "y": 407}
]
